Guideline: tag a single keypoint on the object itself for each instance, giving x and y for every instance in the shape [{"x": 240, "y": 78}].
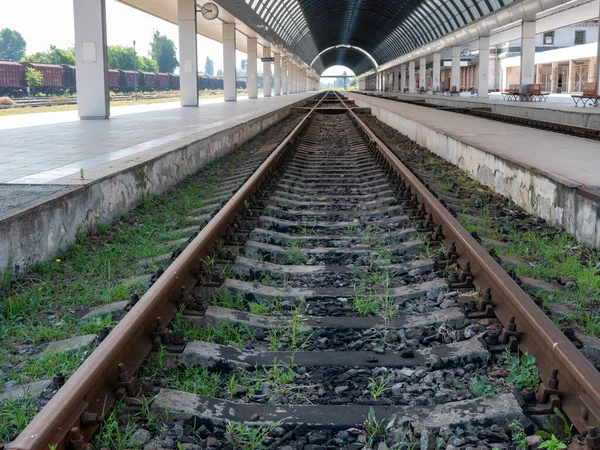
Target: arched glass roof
[{"x": 386, "y": 29}]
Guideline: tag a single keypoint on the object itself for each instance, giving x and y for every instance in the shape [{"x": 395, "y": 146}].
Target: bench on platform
[
  {"x": 534, "y": 93},
  {"x": 512, "y": 93},
  {"x": 589, "y": 96}
]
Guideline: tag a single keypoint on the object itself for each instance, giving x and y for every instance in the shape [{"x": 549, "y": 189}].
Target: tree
[
  {"x": 12, "y": 45},
  {"x": 209, "y": 67},
  {"x": 244, "y": 64},
  {"x": 33, "y": 77},
  {"x": 219, "y": 73},
  {"x": 146, "y": 64},
  {"x": 163, "y": 51},
  {"x": 54, "y": 55},
  {"x": 120, "y": 57}
]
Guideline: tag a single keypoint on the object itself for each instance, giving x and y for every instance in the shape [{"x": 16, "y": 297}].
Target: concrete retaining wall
[
  {"x": 575, "y": 209},
  {"x": 35, "y": 233}
]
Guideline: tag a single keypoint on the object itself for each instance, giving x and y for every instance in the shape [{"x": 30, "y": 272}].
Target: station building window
[
  {"x": 549, "y": 38},
  {"x": 579, "y": 37}
]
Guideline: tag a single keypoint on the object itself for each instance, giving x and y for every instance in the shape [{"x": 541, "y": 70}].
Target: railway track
[
  {"x": 335, "y": 300},
  {"x": 486, "y": 113},
  {"x": 72, "y": 100}
]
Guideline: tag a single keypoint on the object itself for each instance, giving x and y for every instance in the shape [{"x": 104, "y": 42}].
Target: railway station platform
[
  {"x": 558, "y": 108},
  {"x": 60, "y": 176},
  {"x": 549, "y": 174}
]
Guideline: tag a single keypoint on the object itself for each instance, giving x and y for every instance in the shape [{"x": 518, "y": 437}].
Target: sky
[{"x": 46, "y": 22}]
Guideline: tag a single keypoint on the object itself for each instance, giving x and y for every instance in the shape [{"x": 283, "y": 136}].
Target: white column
[
  {"x": 527, "y": 54},
  {"x": 411, "y": 77},
  {"x": 403, "y": 77},
  {"x": 229, "y": 75},
  {"x": 277, "y": 73},
  {"x": 251, "y": 68},
  {"x": 93, "y": 101},
  {"x": 395, "y": 80},
  {"x": 455, "y": 73},
  {"x": 266, "y": 73},
  {"x": 188, "y": 55},
  {"x": 597, "y": 74},
  {"x": 422, "y": 73},
  {"x": 437, "y": 63},
  {"x": 483, "y": 67},
  {"x": 284, "y": 77}
]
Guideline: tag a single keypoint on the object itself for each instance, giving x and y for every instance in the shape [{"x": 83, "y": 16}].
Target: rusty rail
[
  {"x": 578, "y": 389},
  {"x": 73, "y": 415}
]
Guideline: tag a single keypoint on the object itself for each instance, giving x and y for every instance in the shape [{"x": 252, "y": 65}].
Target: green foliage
[
  {"x": 12, "y": 45},
  {"x": 14, "y": 416},
  {"x": 377, "y": 428},
  {"x": 480, "y": 388},
  {"x": 522, "y": 371},
  {"x": 294, "y": 255},
  {"x": 209, "y": 67},
  {"x": 246, "y": 437},
  {"x": 163, "y": 53},
  {"x": 33, "y": 77},
  {"x": 553, "y": 443},
  {"x": 125, "y": 58},
  {"x": 53, "y": 55},
  {"x": 518, "y": 434},
  {"x": 549, "y": 430},
  {"x": 380, "y": 385},
  {"x": 146, "y": 64}
]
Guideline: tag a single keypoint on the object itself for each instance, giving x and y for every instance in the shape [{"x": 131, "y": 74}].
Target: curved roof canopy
[{"x": 385, "y": 29}]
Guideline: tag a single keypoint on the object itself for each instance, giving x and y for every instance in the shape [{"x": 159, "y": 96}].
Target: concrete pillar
[
  {"x": 188, "y": 54},
  {"x": 292, "y": 79},
  {"x": 437, "y": 65},
  {"x": 277, "y": 73},
  {"x": 284, "y": 77},
  {"x": 483, "y": 83},
  {"x": 597, "y": 73},
  {"x": 422, "y": 73},
  {"x": 93, "y": 101},
  {"x": 395, "y": 80},
  {"x": 266, "y": 72},
  {"x": 251, "y": 68},
  {"x": 403, "y": 77},
  {"x": 455, "y": 73},
  {"x": 229, "y": 75},
  {"x": 554, "y": 77},
  {"x": 411, "y": 77},
  {"x": 527, "y": 54}
]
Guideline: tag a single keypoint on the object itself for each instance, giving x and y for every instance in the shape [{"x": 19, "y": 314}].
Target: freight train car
[
  {"x": 162, "y": 81},
  {"x": 147, "y": 81},
  {"x": 52, "y": 77},
  {"x": 174, "y": 81},
  {"x": 11, "y": 79}
]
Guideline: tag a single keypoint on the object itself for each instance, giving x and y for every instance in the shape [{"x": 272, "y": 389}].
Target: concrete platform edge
[
  {"x": 36, "y": 232},
  {"x": 562, "y": 204}
]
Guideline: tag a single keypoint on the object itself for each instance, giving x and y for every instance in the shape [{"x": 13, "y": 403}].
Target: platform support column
[
  {"x": 284, "y": 77},
  {"x": 527, "y": 54},
  {"x": 422, "y": 73},
  {"x": 597, "y": 73},
  {"x": 266, "y": 72},
  {"x": 411, "y": 77},
  {"x": 188, "y": 55},
  {"x": 395, "y": 80},
  {"x": 437, "y": 64},
  {"x": 277, "y": 73},
  {"x": 483, "y": 82},
  {"x": 251, "y": 68},
  {"x": 229, "y": 75},
  {"x": 403, "y": 77},
  {"x": 93, "y": 101},
  {"x": 455, "y": 72}
]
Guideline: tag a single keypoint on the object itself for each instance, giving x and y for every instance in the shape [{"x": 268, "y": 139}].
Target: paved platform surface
[
  {"x": 570, "y": 160},
  {"x": 42, "y": 154},
  {"x": 558, "y": 102}
]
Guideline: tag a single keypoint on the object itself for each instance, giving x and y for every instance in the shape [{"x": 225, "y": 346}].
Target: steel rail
[
  {"x": 579, "y": 381},
  {"x": 91, "y": 389}
]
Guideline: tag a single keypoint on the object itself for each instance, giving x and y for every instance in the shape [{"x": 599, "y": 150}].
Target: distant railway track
[
  {"x": 329, "y": 208},
  {"x": 72, "y": 100},
  {"x": 486, "y": 113}
]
